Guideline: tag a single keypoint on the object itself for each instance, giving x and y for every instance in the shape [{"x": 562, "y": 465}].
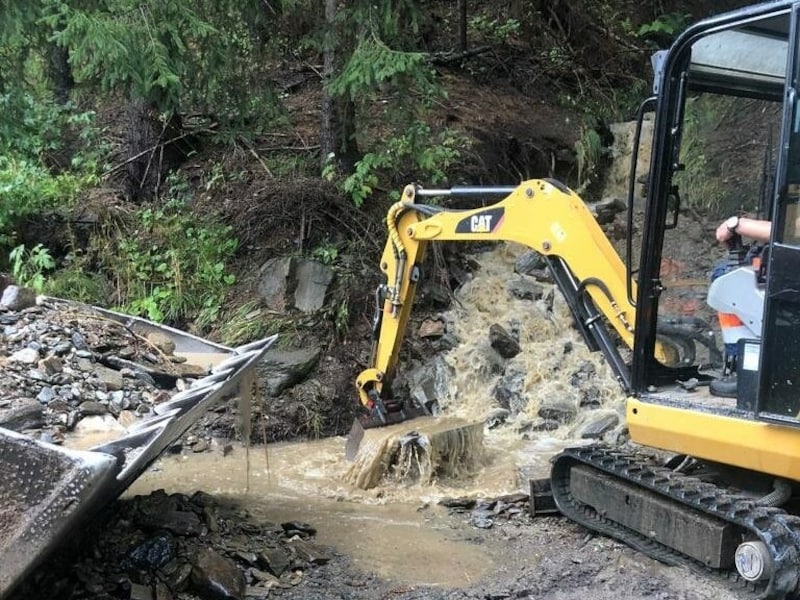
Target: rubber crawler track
[{"x": 779, "y": 530}]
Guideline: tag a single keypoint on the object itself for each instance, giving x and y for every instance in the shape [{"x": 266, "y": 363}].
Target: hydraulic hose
[
  {"x": 601, "y": 285},
  {"x": 781, "y": 492}
]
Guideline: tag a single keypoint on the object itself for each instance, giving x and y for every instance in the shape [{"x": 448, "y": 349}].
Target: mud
[{"x": 400, "y": 542}]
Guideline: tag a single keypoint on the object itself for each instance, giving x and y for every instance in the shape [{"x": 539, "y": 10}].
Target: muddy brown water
[{"x": 384, "y": 529}]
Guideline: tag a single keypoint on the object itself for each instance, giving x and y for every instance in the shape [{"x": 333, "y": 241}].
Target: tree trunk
[
  {"x": 60, "y": 73},
  {"x": 337, "y": 135},
  {"x": 329, "y": 125},
  {"x": 461, "y": 8},
  {"x": 154, "y": 148}
]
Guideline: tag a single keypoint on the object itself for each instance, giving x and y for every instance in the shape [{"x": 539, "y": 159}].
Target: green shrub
[
  {"x": 28, "y": 267},
  {"x": 417, "y": 150},
  {"x": 172, "y": 267},
  {"x": 28, "y": 189}
]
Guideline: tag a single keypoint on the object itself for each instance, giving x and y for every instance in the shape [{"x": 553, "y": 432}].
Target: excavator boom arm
[{"x": 542, "y": 214}]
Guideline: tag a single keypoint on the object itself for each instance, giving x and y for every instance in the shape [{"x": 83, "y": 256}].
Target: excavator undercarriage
[{"x": 680, "y": 518}]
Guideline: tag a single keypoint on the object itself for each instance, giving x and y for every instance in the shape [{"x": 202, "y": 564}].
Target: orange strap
[{"x": 729, "y": 320}]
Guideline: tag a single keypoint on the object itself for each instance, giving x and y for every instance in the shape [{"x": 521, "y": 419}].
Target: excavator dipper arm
[{"x": 542, "y": 214}]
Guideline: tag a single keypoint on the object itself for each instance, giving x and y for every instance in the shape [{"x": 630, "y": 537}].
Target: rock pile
[
  {"x": 64, "y": 366},
  {"x": 165, "y": 546}
]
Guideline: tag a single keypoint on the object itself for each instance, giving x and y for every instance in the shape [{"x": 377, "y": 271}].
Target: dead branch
[{"x": 447, "y": 58}]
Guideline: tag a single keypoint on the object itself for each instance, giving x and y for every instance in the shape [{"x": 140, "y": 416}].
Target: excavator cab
[{"x": 738, "y": 69}]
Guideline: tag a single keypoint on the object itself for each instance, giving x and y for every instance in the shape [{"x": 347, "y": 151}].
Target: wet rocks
[
  {"x": 509, "y": 391},
  {"x": 525, "y": 288},
  {"x": 528, "y": 262},
  {"x": 485, "y": 512},
  {"x": 559, "y": 409},
  {"x": 594, "y": 424},
  {"x": 64, "y": 362},
  {"x": 163, "y": 546},
  {"x": 502, "y": 341},
  {"x": 216, "y": 577}
]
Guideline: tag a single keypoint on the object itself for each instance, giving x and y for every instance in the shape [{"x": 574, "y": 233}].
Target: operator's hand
[
  {"x": 724, "y": 235},
  {"x": 735, "y": 227}
]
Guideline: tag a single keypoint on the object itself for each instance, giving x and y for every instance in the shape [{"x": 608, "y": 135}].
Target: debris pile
[
  {"x": 65, "y": 366},
  {"x": 484, "y": 512},
  {"x": 69, "y": 372}
]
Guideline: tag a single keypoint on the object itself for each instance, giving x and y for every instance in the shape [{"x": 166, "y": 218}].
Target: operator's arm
[{"x": 755, "y": 229}]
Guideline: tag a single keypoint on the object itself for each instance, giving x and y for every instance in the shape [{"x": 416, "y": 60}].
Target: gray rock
[
  {"x": 502, "y": 341},
  {"x": 16, "y": 297},
  {"x": 509, "y": 391},
  {"x": 558, "y": 409},
  {"x": 274, "y": 282},
  {"x": 281, "y": 369},
  {"x": 79, "y": 341},
  {"x": 596, "y": 423},
  {"x": 529, "y": 261},
  {"x": 428, "y": 382},
  {"x": 312, "y": 281},
  {"x": 216, "y": 577},
  {"x": 45, "y": 395},
  {"x": 276, "y": 561},
  {"x": 27, "y": 356},
  {"x": 607, "y": 209},
  {"x": 525, "y": 288},
  {"x": 89, "y": 408},
  {"x": 289, "y": 282},
  {"x": 111, "y": 378},
  {"x": 37, "y": 375},
  {"x": 309, "y": 553},
  {"x": 24, "y": 413}
]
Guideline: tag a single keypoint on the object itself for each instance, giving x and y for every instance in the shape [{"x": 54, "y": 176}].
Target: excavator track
[{"x": 777, "y": 529}]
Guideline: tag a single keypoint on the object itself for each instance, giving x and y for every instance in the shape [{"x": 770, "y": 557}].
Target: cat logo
[
  {"x": 480, "y": 223},
  {"x": 487, "y": 221}
]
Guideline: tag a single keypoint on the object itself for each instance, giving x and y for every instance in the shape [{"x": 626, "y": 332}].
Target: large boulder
[{"x": 290, "y": 283}]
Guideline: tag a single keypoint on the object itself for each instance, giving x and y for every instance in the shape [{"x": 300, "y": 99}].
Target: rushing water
[{"x": 309, "y": 481}]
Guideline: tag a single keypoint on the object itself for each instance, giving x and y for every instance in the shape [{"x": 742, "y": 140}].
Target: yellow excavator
[{"x": 727, "y": 500}]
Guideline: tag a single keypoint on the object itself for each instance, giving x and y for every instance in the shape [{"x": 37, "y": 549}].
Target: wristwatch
[{"x": 732, "y": 224}]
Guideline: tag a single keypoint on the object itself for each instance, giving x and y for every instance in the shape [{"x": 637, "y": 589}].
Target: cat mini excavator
[{"x": 727, "y": 500}]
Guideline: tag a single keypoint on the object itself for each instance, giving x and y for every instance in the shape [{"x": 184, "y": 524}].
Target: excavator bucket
[
  {"x": 373, "y": 420},
  {"x": 48, "y": 491}
]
